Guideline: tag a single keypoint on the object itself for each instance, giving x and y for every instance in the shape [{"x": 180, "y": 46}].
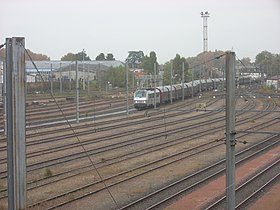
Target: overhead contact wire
[{"x": 72, "y": 129}]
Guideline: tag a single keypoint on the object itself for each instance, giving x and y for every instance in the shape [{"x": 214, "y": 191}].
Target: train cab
[{"x": 146, "y": 98}]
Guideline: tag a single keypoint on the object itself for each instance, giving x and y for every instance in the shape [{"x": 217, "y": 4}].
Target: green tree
[
  {"x": 37, "y": 56},
  {"x": 80, "y": 56},
  {"x": 178, "y": 68},
  {"x": 177, "y": 71},
  {"x": 276, "y": 64},
  {"x": 100, "y": 57},
  {"x": 34, "y": 56},
  {"x": 148, "y": 63},
  {"x": 110, "y": 57},
  {"x": 69, "y": 57},
  {"x": 205, "y": 63},
  {"x": 166, "y": 73},
  {"x": 134, "y": 58},
  {"x": 83, "y": 56},
  {"x": 246, "y": 61},
  {"x": 117, "y": 76},
  {"x": 268, "y": 63}
]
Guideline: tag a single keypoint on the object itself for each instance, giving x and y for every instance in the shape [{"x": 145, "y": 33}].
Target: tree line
[
  {"x": 82, "y": 56},
  {"x": 34, "y": 56},
  {"x": 204, "y": 65}
]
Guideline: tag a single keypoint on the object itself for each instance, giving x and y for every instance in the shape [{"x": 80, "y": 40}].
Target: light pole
[
  {"x": 84, "y": 81},
  {"x": 183, "y": 81},
  {"x": 204, "y": 16},
  {"x": 126, "y": 87},
  {"x": 171, "y": 78}
]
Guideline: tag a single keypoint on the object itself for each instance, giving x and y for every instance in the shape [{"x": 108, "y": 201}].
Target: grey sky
[{"x": 56, "y": 27}]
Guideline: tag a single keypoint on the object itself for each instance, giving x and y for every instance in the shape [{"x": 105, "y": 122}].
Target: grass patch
[
  {"x": 3, "y": 207},
  {"x": 1, "y": 185},
  {"x": 47, "y": 172}
]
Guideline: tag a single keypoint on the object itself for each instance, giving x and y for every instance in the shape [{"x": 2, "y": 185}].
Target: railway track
[
  {"x": 104, "y": 138},
  {"x": 68, "y": 193},
  {"x": 113, "y": 160},
  {"x": 42, "y": 114},
  {"x": 207, "y": 147},
  {"x": 246, "y": 191},
  {"x": 93, "y": 127},
  {"x": 167, "y": 194}
]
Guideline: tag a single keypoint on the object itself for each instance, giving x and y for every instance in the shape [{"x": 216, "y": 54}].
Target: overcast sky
[{"x": 168, "y": 27}]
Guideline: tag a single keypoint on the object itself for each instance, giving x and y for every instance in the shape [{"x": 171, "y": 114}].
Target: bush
[
  {"x": 1, "y": 184},
  {"x": 47, "y": 172}
]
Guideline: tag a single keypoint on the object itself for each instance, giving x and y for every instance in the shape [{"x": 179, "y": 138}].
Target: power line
[
  {"x": 2, "y": 45},
  {"x": 72, "y": 129}
]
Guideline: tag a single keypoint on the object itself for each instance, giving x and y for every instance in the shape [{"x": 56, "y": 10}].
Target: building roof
[
  {"x": 56, "y": 64},
  {"x": 87, "y": 67}
]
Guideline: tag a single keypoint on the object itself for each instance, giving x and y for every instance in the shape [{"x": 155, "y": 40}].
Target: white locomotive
[{"x": 144, "y": 98}]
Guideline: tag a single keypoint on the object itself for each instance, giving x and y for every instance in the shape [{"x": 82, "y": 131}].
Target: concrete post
[
  {"x": 155, "y": 85},
  {"x": 230, "y": 130},
  {"x": 183, "y": 81},
  {"x": 51, "y": 80},
  {"x": 126, "y": 85},
  {"x": 16, "y": 148},
  {"x": 69, "y": 76},
  {"x": 60, "y": 79},
  {"x": 192, "y": 83},
  {"x": 171, "y": 81},
  {"x": 84, "y": 81},
  {"x": 88, "y": 87},
  {"x": 5, "y": 97},
  {"x": 77, "y": 95}
]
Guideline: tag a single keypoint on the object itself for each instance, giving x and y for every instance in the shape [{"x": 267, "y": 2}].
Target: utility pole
[
  {"x": 171, "y": 81},
  {"x": 204, "y": 16},
  {"x": 51, "y": 80},
  {"x": 88, "y": 88},
  {"x": 126, "y": 85},
  {"x": 2, "y": 84},
  {"x": 192, "y": 82},
  {"x": 15, "y": 103},
  {"x": 5, "y": 97},
  {"x": 77, "y": 94},
  {"x": 183, "y": 81},
  {"x": 155, "y": 84},
  {"x": 133, "y": 69},
  {"x": 84, "y": 82},
  {"x": 60, "y": 79},
  {"x": 230, "y": 130},
  {"x": 70, "y": 88}
]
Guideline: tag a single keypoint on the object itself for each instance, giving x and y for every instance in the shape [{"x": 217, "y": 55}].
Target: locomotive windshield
[{"x": 140, "y": 93}]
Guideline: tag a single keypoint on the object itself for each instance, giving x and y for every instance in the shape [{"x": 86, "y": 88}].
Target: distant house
[
  {"x": 274, "y": 81},
  {"x": 64, "y": 69},
  {"x": 42, "y": 69},
  {"x": 67, "y": 69}
]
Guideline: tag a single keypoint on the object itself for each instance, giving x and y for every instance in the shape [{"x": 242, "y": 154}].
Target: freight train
[{"x": 145, "y": 98}]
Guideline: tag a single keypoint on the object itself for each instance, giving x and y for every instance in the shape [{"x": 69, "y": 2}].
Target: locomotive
[{"x": 146, "y": 98}]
